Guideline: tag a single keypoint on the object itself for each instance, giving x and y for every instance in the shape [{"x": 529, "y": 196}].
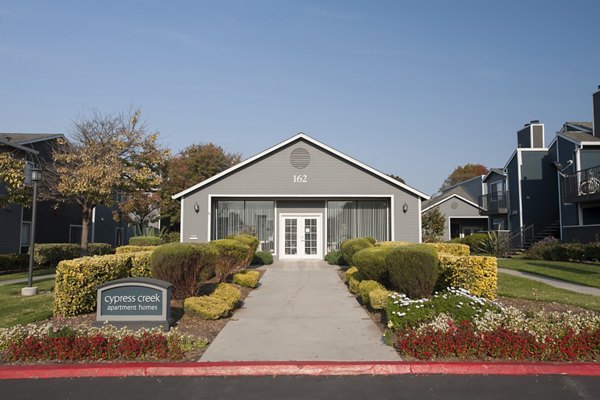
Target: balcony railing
[
  {"x": 494, "y": 203},
  {"x": 581, "y": 186}
]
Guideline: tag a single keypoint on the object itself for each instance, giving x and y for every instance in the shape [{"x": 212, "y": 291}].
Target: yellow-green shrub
[
  {"x": 354, "y": 282},
  {"x": 455, "y": 249},
  {"x": 246, "y": 278},
  {"x": 365, "y": 287},
  {"x": 378, "y": 299},
  {"x": 140, "y": 264},
  {"x": 76, "y": 281},
  {"x": 207, "y": 307},
  {"x": 475, "y": 273},
  {"x": 351, "y": 246},
  {"x": 350, "y": 273},
  {"x": 229, "y": 294},
  {"x": 133, "y": 249}
]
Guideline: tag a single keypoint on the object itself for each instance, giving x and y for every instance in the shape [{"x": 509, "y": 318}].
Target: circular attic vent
[{"x": 300, "y": 158}]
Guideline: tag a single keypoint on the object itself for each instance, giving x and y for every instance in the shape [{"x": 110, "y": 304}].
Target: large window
[
  {"x": 352, "y": 219},
  {"x": 256, "y": 218}
]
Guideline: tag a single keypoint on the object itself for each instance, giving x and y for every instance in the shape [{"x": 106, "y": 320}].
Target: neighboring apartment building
[
  {"x": 459, "y": 206},
  {"x": 577, "y": 156},
  {"x": 548, "y": 191},
  {"x": 55, "y": 223}
]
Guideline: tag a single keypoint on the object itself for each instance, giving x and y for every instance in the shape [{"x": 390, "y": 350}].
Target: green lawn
[
  {"x": 36, "y": 272},
  {"x": 523, "y": 288},
  {"x": 16, "y": 309},
  {"x": 583, "y": 274}
]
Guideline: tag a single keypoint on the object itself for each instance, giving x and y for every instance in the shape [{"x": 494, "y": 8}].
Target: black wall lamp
[
  {"x": 404, "y": 208},
  {"x": 196, "y": 207}
]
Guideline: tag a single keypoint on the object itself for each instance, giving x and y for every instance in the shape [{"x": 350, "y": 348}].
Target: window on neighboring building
[
  {"x": 498, "y": 224},
  {"x": 257, "y": 218},
  {"x": 25, "y": 233},
  {"x": 352, "y": 219}
]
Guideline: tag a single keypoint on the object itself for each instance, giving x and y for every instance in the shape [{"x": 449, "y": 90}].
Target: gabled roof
[
  {"x": 17, "y": 146},
  {"x": 301, "y": 136},
  {"x": 579, "y": 137},
  {"x": 458, "y": 193},
  {"x": 27, "y": 138},
  {"x": 462, "y": 183},
  {"x": 582, "y": 126},
  {"x": 498, "y": 171}
]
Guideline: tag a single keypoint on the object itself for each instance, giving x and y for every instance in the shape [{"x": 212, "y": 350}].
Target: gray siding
[
  {"x": 565, "y": 148},
  {"x": 327, "y": 177},
  {"x": 524, "y": 138},
  {"x": 538, "y": 136},
  {"x": 454, "y": 208},
  {"x": 539, "y": 188},
  {"x": 512, "y": 172},
  {"x": 10, "y": 233}
]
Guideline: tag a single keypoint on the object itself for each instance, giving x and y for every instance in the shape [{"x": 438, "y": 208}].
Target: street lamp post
[{"x": 36, "y": 176}]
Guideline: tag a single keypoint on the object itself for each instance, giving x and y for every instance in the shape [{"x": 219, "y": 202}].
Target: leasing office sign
[{"x": 135, "y": 302}]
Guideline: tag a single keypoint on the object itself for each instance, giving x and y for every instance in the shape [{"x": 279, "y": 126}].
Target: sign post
[{"x": 135, "y": 303}]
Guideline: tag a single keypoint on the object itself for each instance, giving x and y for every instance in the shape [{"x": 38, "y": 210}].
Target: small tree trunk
[{"x": 86, "y": 220}]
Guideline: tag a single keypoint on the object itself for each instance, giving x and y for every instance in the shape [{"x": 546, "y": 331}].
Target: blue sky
[{"x": 412, "y": 88}]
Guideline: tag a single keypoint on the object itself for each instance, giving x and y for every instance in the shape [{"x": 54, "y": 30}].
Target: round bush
[
  {"x": 185, "y": 265},
  {"x": 371, "y": 263},
  {"x": 412, "y": 270},
  {"x": 228, "y": 293},
  {"x": 246, "y": 278},
  {"x": 262, "y": 258},
  {"x": 474, "y": 241},
  {"x": 207, "y": 307},
  {"x": 365, "y": 287},
  {"x": 335, "y": 258},
  {"x": 232, "y": 255},
  {"x": 352, "y": 246}
]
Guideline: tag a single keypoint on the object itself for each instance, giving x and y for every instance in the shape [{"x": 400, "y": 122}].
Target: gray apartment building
[{"x": 301, "y": 198}]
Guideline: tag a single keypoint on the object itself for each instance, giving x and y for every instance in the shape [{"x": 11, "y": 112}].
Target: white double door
[{"x": 300, "y": 236}]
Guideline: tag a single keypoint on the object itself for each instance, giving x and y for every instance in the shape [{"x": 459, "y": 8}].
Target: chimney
[
  {"x": 531, "y": 136},
  {"x": 596, "y": 113}
]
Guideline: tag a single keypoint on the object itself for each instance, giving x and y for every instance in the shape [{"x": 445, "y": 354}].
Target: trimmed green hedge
[
  {"x": 53, "y": 253},
  {"x": 13, "y": 262},
  {"x": 207, "y": 307},
  {"x": 252, "y": 243},
  {"x": 262, "y": 258},
  {"x": 185, "y": 265},
  {"x": 413, "y": 270},
  {"x": 371, "y": 263},
  {"x": 132, "y": 249},
  {"x": 246, "y": 278},
  {"x": 335, "y": 258},
  {"x": 100, "y": 249},
  {"x": 140, "y": 264},
  {"x": 145, "y": 241},
  {"x": 353, "y": 246},
  {"x": 76, "y": 281},
  {"x": 232, "y": 255}
]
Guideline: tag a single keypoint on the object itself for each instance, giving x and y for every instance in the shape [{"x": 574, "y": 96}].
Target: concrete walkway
[
  {"x": 302, "y": 311},
  {"x": 557, "y": 283},
  {"x": 24, "y": 280}
]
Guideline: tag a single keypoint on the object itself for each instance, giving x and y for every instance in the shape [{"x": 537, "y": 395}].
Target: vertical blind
[
  {"x": 232, "y": 217},
  {"x": 352, "y": 219}
]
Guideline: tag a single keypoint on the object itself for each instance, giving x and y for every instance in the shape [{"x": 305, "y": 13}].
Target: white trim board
[
  {"x": 450, "y": 197},
  {"x": 301, "y": 136}
]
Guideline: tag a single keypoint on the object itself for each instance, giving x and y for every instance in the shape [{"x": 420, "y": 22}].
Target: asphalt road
[{"x": 447, "y": 387}]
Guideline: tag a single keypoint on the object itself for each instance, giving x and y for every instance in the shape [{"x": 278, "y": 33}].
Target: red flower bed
[
  {"x": 94, "y": 348},
  {"x": 462, "y": 341}
]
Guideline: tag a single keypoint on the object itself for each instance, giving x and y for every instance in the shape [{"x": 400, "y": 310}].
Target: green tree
[
  {"x": 433, "y": 222},
  {"x": 12, "y": 181},
  {"x": 107, "y": 154},
  {"x": 464, "y": 173},
  {"x": 191, "y": 166}
]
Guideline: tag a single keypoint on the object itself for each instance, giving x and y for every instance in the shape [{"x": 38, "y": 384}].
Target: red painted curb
[{"x": 294, "y": 368}]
